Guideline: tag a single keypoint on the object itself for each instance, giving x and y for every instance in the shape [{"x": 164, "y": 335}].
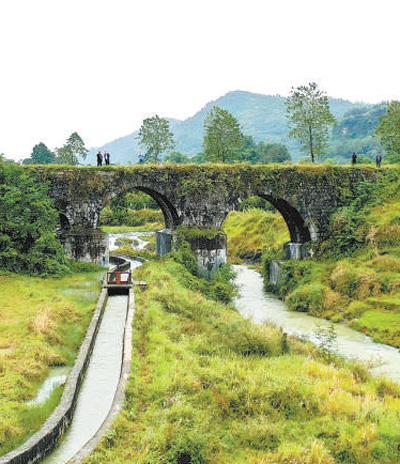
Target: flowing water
[
  {"x": 57, "y": 376},
  {"x": 102, "y": 376},
  {"x": 261, "y": 307}
]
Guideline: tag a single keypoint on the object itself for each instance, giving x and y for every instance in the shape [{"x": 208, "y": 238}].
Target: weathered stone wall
[{"x": 203, "y": 195}]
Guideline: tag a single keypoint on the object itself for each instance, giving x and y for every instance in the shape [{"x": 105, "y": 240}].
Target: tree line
[
  {"x": 71, "y": 152},
  {"x": 309, "y": 119}
]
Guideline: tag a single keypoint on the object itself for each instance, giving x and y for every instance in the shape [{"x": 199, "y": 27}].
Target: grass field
[
  {"x": 42, "y": 323},
  {"x": 209, "y": 387}
]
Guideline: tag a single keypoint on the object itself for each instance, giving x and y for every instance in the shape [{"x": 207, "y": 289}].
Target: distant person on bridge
[
  {"x": 141, "y": 158},
  {"x": 99, "y": 158},
  {"x": 107, "y": 158},
  {"x": 378, "y": 160},
  {"x": 354, "y": 158}
]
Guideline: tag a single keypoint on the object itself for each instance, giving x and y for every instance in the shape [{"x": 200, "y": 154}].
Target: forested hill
[{"x": 262, "y": 116}]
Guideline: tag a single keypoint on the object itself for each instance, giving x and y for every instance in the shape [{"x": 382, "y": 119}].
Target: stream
[
  {"x": 103, "y": 373},
  {"x": 254, "y": 303}
]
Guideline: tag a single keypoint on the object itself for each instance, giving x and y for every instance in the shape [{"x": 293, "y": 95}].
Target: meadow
[{"x": 42, "y": 324}]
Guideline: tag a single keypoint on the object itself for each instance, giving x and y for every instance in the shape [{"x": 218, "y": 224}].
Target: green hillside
[{"x": 261, "y": 116}]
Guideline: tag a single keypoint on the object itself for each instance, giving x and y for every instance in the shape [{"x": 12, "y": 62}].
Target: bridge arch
[
  {"x": 171, "y": 217},
  {"x": 298, "y": 229}
]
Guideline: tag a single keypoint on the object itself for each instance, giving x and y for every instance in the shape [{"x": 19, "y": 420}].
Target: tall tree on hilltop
[
  {"x": 388, "y": 132},
  {"x": 40, "y": 155},
  {"x": 70, "y": 152},
  {"x": 64, "y": 155},
  {"x": 222, "y": 136},
  {"x": 309, "y": 118},
  {"x": 77, "y": 145},
  {"x": 156, "y": 137}
]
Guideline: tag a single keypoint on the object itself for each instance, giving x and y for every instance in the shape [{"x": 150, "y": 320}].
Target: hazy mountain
[{"x": 261, "y": 116}]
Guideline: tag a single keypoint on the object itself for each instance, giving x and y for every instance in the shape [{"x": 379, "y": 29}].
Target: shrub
[
  {"x": 356, "y": 309},
  {"x": 386, "y": 263},
  {"x": 308, "y": 298},
  {"x": 355, "y": 281},
  {"x": 388, "y": 235},
  {"x": 244, "y": 338},
  {"x": 28, "y": 221}
]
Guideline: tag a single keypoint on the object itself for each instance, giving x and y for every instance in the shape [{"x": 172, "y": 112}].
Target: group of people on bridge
[
  {"x": 103, "y": 157},
  {"x": 378, "y": 159}
]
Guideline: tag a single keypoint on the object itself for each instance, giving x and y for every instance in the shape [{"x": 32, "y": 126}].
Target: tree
[
  {"x": 309, "y": 118},
  {"x": 156, "y": 137},
  {"x": 388, "y": 132},
  {"x": 272, "y": 153},
  {"x": 263, "y": 152},
  {"x": 223, "y": 138},
  {"x": 74, "y": 147},
  {"x": 198, "y": 158},
  {"x": 66, "y": 156},
  {"x": 248, "y": 150},
  {"x": 77, "y": 145},
  {"x": 40, "y": 155},
  {"x": 28, "y": 221},
  {"x": 177, "y": 158}
]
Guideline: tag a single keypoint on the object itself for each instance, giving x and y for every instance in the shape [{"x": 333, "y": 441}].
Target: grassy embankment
[
  {"x": 254, "y": 232},
  {"x": 354, "y": 276},
  {"x": 210, "y": 387},
  {"x": 42, "y": 324}
]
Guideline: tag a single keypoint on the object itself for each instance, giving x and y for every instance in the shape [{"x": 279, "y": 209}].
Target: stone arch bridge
[{"x": 203, "y": 195}]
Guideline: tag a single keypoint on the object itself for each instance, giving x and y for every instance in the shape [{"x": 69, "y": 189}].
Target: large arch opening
[
  {"x": 265, "y": 226},
  {"x": 139, "y": 206},
  {"x": 139, "y": 221}
]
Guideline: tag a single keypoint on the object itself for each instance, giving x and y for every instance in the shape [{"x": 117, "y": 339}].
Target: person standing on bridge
[
  {"x": 378, "y": 160},
  {"x": 99, "y": 158},
  {"x": 107, "y": 158},
  {"x": 354, "y": 158}
]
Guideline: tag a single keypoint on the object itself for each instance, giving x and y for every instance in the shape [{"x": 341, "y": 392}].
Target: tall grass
[
  {"x": 42, "y": 323},
  {"x": 209, "y": 387}
]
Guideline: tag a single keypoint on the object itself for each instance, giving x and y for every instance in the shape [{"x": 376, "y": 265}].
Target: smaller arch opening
[
  {"x": 298, "y": 230},
  {"x": 265, "y": 226}
]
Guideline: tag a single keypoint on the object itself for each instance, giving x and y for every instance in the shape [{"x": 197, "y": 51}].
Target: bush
[
  {"x": 388, "y": 235},
  {"x": 386, "y": 263},
  {"x": 28, "y": 223},
  {"x": 307, "y": 298},
  {"x": 356, "y": 309},
  {"x": 355, "y": 281}
]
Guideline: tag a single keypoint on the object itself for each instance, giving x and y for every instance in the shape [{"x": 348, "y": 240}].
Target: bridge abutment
[{"x": 87, "y": 245}]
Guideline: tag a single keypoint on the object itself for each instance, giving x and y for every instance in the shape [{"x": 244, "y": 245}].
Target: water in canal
[
  {"x": 101, "y": 379},
  {"x": 254, "y": 303},
  {"x": 100, "y": 383}
]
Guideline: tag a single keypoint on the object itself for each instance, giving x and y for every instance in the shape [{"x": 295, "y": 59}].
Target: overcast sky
[{"x": 99, "y": 67}]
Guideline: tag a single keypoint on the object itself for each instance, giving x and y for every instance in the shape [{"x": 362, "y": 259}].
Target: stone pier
[{"x": 88, "y": 245}]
